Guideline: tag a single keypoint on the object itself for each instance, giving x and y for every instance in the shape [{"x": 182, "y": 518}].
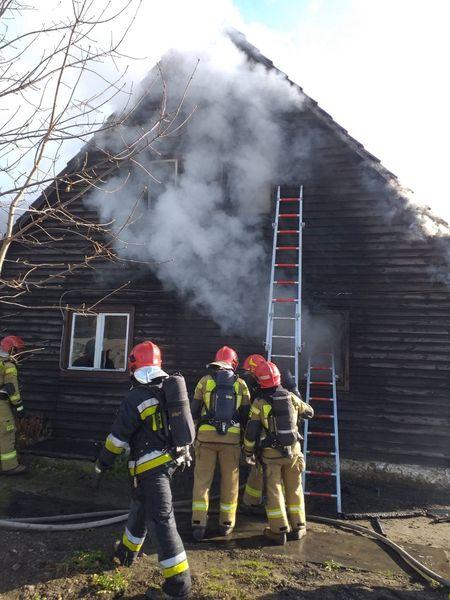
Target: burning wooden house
[{"x": 373, "y": 270}]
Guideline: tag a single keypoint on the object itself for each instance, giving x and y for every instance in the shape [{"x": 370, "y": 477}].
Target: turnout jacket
[
  {"x": 258, "y": 424},
  {"x": 138, "y": 427},
  {"x": 9, "y": 385},
  {"x": 201, "y": 403}
]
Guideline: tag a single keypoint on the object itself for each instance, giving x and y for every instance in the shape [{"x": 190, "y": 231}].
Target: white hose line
[
  {"x": 21, "y": 526},
  {"x": 31, "y": 524}
]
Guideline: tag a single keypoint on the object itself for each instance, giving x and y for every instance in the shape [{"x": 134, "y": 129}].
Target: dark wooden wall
[
  {"x": 363, "y": 256},
  {"x": 366, "y": 256}
]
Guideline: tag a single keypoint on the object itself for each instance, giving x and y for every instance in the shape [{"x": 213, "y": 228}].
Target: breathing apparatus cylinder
[
  {"x": 284, "y": 421},
  {"x": 177, "y": 408},
  {"x": 224, "y": 399}
]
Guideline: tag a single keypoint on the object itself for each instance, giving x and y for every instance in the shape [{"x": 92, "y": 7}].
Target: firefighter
[
  {"x": 155, "y": 423},
  {"x": 220, "y": 407},
  {"x": 252, "y": 497},
  {"x": 10, "y": 405},
  {"x": 274, "y": 421},
  {"x": 253, "y": 492}
]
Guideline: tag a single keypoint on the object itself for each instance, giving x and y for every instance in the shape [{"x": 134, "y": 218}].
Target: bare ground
[{"x": 75, "y": 565}]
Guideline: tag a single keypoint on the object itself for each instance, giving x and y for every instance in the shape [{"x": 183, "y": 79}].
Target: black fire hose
[
  {"x": 44, "y": 524},
  {"x": 420, "y": 568}
]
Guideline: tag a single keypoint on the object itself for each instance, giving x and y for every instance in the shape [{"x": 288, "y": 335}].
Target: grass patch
[
  {"x": 105, "y": 583},
  {"x": 249, "y": 572},
  {"x": 223, "y": 591},
  {"x": 87, "y": 560},
  {"x": 332, "y": 565}
]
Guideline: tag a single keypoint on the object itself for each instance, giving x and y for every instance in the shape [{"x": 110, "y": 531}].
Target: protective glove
[
  {"x": 183, "y": 456},
  {"x": 98, "y": 469},
  {"x": 248, "y": 458},
  {"x": 99, "y": 473},
  {"x": 19, "y": 412}
]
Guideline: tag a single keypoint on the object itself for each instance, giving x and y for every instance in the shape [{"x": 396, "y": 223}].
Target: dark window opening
[{"x": 326, "y": 331}]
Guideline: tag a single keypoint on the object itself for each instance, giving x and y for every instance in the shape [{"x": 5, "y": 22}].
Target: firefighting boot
[
  {"x": 278, "y": 539},
  {"x": 19, "y": 470},
  {"x": 297, "y": 534},
  {"x": 198, "y": 533},
  {"x": 225, "y": 530},
  {"x": 123, "y": 555}
]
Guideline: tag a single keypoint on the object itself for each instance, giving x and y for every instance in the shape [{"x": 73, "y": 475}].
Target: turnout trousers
[
  {"x": 253, "y": 491},
  {"x": 207, "y": 454},
  {"x": 151, "y": 511},
  {"x": 8, "y": 454},
  {"x": 285, "y": 511}
]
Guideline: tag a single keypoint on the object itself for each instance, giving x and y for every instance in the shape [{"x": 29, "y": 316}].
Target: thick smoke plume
[{"x": 204, "y": 230}]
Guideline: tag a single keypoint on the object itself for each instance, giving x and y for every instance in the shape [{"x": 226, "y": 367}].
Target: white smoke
[{"x": 204, "y": 231}]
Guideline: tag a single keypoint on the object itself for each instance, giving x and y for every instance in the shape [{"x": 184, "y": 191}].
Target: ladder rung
[
  {"x": 288, "y": 231},
  {"x": 320, "y": 453},
  {"x": 287, "y": 247},
  {"x": 322, "y": 494},
  {"x": 286, "y": 337},
  {"x": 289, "y": 199},
  {"x": 324, "y": 416},
  {"x": 321, "y": 473},
  {"x": 321, "y": 383},
  {"x": 285, "y": 282},
  {"x": 286, "y": 265},
  {"x": 284, "y": 318},
  {"x": 284, "y": 355},
  {"x": 284, "y": 299},
  {"x": 321, "y": 399},
  {"x": 288, "y": 215},
  {"x": 319, "y": 433}
]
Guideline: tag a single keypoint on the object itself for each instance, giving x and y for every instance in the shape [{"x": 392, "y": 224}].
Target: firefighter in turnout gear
[
  {"x": 252, "y": 498},
  {"x": 220, "y": 407},
  {"x": 10, "y": 405},
  {"x": 154, "y": 421},
  {"x": 274, "y": 421}
]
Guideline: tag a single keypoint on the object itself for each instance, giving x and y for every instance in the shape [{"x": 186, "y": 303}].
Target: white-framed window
[{"x": 99, "y": 342}]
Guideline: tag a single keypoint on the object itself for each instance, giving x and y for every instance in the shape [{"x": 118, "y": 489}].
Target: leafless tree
[{"x": 53, "y": 95}]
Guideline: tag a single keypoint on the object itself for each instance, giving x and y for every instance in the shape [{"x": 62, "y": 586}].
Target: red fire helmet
[
  {"x": 226, "y": 357},
  {"x": 144, "y": 362},
  {"x": 252, "y": 361},
  {"x": 268, "y": 375},
  {"x": 12, "y": 341}
]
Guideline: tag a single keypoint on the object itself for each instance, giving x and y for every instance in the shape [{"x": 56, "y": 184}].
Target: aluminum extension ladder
[
  {"x": 283, "y": 335},
  {"x": 322, "y": 443}
]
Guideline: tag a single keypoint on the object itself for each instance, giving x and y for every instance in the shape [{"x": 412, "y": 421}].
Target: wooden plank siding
[{"x": 363, "y": 255}]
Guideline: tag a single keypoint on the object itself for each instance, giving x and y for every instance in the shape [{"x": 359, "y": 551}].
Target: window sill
[{"x": 75, "y": 375}]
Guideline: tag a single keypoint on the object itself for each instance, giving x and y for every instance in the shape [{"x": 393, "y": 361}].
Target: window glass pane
[
  {"x": 114, "y": 348},
  {"x": 83, "y": 342}
]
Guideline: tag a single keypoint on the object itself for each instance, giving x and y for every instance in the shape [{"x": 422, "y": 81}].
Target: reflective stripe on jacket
[
  {"x": 9, "y": 383},
  {"x": 138, "y": 428}
]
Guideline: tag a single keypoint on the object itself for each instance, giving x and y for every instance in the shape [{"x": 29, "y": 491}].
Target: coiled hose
[{"x": 120, "y": 515}]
